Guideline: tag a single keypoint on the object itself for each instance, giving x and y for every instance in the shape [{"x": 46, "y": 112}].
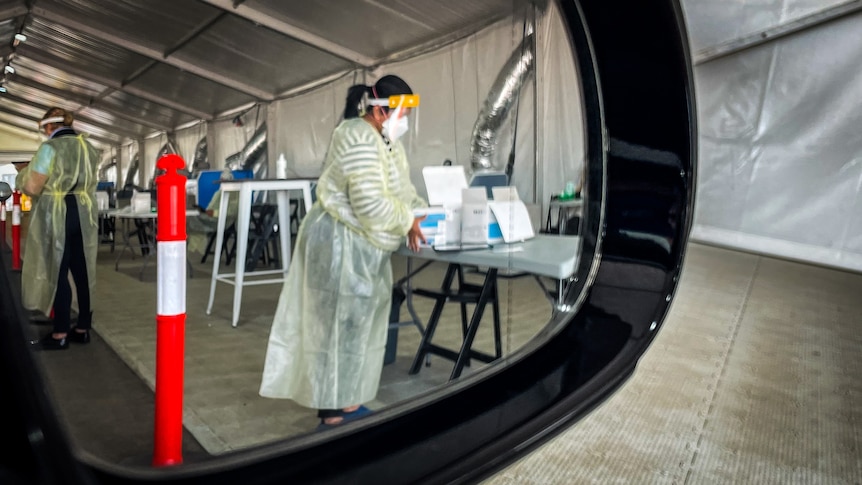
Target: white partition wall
[{"x": 780, "y": 160}]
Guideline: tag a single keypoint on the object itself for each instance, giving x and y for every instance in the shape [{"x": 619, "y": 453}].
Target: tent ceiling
[{"x": 131, "y": 69}]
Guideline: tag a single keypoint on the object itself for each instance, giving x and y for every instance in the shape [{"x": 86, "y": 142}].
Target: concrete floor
[{"x": 752, "y": 379}]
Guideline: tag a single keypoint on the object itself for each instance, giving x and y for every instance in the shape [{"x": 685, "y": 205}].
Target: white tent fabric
[
  {"x": 780, "y": 156},
  {"x": 453, "y": 83},
  {"x": 561, "y": 118},
  {"x": 714, "y": 22},
  {"x": 15, "y": 140},
  {"x": 229, "y": 139},
  {"x": 187, "y": 141},
  {"x": 449, "y": 82}
]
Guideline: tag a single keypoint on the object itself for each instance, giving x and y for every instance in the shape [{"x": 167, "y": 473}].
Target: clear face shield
[{"x": 403, "y": 121}]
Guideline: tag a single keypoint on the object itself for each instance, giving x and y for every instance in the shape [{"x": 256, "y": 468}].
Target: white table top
[
  {"x": 544, "y": 255},
  {"x": 128, "y": 213},
  {"x": 266, "y": 184}
]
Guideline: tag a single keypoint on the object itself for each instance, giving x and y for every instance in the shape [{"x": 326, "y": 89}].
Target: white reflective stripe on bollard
[{"x": 171, "y": 291}]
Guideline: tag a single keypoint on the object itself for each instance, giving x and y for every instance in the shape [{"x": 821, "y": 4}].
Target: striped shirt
[{"x": 366, "y": 185}]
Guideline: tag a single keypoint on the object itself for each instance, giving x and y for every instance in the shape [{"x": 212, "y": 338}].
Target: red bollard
[
  {"x": 16, "y": 231},
  {"x": 2, "y": 224},
  {"x": 171, "y": 311}
]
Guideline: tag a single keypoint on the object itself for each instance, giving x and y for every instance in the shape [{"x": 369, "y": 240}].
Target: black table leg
[
  {"x": 425, "y": 344},
  {"x": 489, "y": 290}
]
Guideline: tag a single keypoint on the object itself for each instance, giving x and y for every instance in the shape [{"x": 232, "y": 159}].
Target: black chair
[
  {"x": 228, "y": 244},
  {"x": 263, "y": 236}
]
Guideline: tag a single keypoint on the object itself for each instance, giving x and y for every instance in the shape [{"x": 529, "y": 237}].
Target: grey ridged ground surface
[{"x": 754, "y": 377}]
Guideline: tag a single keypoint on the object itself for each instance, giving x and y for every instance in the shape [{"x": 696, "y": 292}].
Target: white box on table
[
  {"x": 511, "y": 214},
  {"x": 478, "y": 225},
  {"x": 102, "y": 201},
  {"x": 503, "y": 219},
  {"x": 443, "y": 185},
  {"x": 141, "y": 202},
  {"x": 433, "y": 227}
]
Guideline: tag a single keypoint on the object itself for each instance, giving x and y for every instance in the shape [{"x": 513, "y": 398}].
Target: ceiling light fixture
[
  {"x": 2, "y": 89},
  {"x": 9, "y": 69},
  {"x": 21, "y": 37}
]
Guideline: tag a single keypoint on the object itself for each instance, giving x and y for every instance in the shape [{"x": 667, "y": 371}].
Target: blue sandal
[
  {"x": 360, "y": 411},
  {"x": 346, "y": 417}
]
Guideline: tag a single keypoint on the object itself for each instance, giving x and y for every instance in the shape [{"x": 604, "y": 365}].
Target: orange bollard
[
  {"x": 2, "y": 224},
  {"x": 171, "y": 311},
  {"x": 16, "y": 231}
]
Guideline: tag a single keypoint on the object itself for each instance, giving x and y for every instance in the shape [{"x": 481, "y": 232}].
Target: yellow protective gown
[
  {"x": 328, "y": 335},
  {"x": 72, "y": 171}
]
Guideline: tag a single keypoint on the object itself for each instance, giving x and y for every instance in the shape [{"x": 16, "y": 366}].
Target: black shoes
[
  {"x": 79, "y": 337},
  {"x": 48, "y": 342}
]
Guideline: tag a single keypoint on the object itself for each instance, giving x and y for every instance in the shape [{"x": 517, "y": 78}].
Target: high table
[
  {"x": 144, "y": 227},
  {"x": 244, "y": 188},
  {"x": 545, "y": 255}
]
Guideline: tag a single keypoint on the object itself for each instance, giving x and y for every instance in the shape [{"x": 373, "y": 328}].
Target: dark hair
[
  {"x": 386, "y": 86},
  {"x": 354, "y": 100}
]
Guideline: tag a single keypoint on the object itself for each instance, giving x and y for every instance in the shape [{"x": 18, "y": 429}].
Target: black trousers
[{"x": 73, "y": 261}]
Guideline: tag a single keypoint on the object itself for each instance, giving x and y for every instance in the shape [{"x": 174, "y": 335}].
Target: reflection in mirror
[{"x": 499, "y": 101}]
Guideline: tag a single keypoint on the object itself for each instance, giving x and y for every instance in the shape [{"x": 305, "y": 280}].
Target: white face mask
[{"x": 395, "y": 129}]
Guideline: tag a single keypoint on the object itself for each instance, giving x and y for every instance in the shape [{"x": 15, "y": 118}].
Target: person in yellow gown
[
  {"x": 62, "y": 237},
  {"x": 328, "y": 335}
]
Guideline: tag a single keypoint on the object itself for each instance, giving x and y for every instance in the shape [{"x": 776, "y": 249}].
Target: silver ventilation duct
[
  {"x": 200, "y": 161},
  {"x": 234, "y": 162},
  {"x": 168, "y": 148},
  {"x": 502, "y": 96},
  {"x": 104, "y": 167},
  {"x": 133, "y": 170},
  {"x": 252, "y": 156}
]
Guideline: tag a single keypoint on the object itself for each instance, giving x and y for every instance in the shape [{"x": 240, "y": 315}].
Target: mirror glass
[{"x": 500, "y": 98}]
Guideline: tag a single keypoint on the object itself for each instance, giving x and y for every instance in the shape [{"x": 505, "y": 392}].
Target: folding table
[{"x": 544, "y": 255}]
